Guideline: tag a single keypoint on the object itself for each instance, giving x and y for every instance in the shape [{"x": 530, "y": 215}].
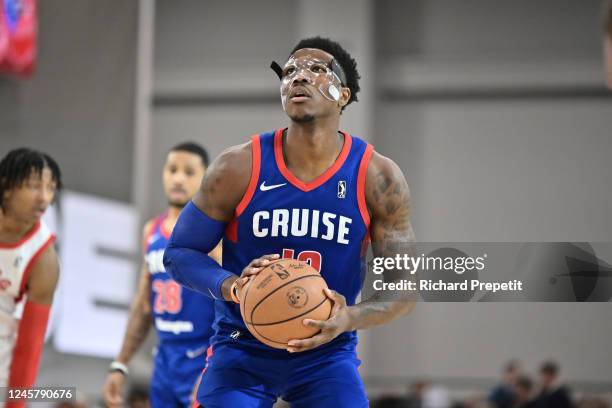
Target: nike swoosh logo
[
  {"x": 196, "y": 353},
  {"x": 263, "y": 186}
]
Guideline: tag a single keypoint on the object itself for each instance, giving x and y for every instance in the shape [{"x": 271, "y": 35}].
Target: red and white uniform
[{"x": 16, "y": 263}]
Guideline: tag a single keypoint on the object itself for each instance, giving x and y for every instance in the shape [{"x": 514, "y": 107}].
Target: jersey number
[
  {"x": 167, "y": 296},
  {"x": 312, "y": 258}
]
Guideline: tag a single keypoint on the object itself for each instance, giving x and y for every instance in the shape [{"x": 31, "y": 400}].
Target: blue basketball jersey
[
  {"x": 179, "y": 313},
  {"x": 324, "y": 222}
]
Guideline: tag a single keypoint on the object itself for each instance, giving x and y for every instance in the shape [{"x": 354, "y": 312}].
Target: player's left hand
[{"x": 339, "y": 322}]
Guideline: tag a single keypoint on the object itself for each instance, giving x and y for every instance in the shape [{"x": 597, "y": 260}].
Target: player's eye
[
  {"x": 318, "y": 68},
  {"x": 34, "y": 184},
  {"x": 189, "y": 172},
  {"x": 288, "y": 70}
]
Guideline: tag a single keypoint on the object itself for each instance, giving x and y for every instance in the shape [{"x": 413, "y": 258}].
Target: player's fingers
[
  {"x": 335, "y": 296},
  {"x": 113, "y": 399},
  {"x": 319, "y": 324},
  {"x": 114, "y": 402},
  {"x": 271, "y": 257},
  {"x": 264, "y": 260},
  {"x": 258, "y": 263},
  {"x": 294, "y": 346},
  {"x": 250, "y": 271}
]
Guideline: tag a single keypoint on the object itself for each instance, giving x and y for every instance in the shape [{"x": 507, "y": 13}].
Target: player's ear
[{"x": 345, "y": 96}]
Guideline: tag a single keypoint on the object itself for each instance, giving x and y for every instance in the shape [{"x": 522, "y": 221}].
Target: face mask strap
[
  {"x": 277, "y": 68},
  {"x": 337, "y": 69}
]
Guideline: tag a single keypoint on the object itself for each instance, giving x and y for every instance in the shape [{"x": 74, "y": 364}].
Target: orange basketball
[{"x": 275, "y": 302}]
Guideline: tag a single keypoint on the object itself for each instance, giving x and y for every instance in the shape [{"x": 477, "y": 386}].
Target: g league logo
[{"x": 341, "y": 189}]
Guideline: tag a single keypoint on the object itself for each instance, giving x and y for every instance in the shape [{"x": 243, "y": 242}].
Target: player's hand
[
  {"x": 339, "y": 322},
  {"x": 253, "y": 268},
  {"x": 113, "y": 389}
]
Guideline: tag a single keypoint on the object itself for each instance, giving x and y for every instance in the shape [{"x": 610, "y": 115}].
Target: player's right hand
[
  {"x": 253, "y": 268},
  {"x": 113, "y": 389}
]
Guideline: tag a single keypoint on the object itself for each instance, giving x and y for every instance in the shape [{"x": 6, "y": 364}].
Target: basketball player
[
  {"x": 29, "y": 267},
  {"x": 608, "y": 41},
  {"x": 183, "y": 318},
  {"x": 311, "y": 192}
]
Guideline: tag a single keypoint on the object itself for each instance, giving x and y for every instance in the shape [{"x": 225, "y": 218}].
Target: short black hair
[
  {"x": 342, "y": 57},
  {"x": 19, "y": 164},
  {"x": 524, "y": 382},
  {"x": 550, "y": 367},
  {"x": 194, "y": 148}
]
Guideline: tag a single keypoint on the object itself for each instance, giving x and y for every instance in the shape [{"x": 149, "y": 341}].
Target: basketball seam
[
  {"x": 286, "y": 320},
  {"x": 280, "y": 342},
  {"x": 249, "y": 287}
]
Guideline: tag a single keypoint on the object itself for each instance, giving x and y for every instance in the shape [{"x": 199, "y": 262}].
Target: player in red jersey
[{"x": 29, "y": 267}]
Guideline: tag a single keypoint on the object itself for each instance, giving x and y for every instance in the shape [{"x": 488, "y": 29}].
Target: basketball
[{"x": 275, "y": 302}]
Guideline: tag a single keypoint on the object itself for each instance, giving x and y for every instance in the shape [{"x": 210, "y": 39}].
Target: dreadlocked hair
[{"x": 19, "y": 164}]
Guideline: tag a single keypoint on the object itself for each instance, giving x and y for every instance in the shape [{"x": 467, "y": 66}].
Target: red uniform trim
[
  {"x": 28, "y": 270},
  {"x": 28, "y": 347},
  {"x": 23, "y": 239},
  {"x": 361, "y": 180},
  {"x": 162, "y": 227},
  {"x": 209, "y": 353},
  {"x": 255, "y": 169},
  {"x": 231, "y": 231},
  {"x": 280, "y": 162},
  {"x": 149, "y": 233}
]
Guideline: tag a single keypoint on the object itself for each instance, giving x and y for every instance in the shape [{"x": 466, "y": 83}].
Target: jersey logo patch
[
  {"x": 341, "y": 189},
  {"x": 263, "y": 186}
]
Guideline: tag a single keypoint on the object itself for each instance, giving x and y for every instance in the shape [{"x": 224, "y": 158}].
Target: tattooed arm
[
  {"x": 139, "y": 324},
  {"x": 388, "y": 201}
]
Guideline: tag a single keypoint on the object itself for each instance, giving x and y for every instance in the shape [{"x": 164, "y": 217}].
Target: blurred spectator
[
  {"x": 415, "y": 396},
  {"x": 552, "y": 395},
  {"x": 388, "y": 401},
  {"x": 593, "y": 403},
  {"x": 70, "y": 404},
  {"x": 502, "y": 395},
  {"x": 138, "y": 397},
  {"x": 523, "y": 392},
  {"x": 436, "y": 396}
]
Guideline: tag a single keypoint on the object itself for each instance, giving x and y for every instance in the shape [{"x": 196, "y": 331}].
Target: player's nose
[
  {"x": 45, "y": 196},
  {"x": 179, "y": 178},
  {"x": 301, "y": 77}
]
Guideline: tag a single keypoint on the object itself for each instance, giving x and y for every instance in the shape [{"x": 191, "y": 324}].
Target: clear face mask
[{"x": 324, "y": 76}]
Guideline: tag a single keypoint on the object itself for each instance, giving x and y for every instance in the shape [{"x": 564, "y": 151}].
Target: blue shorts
[
  {"x": 239, "y": 374},
  {"x": 177, "y": 368}
]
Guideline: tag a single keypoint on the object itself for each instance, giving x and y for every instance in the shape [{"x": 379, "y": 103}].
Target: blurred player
[
  {"x": 183, "y": 318},
  {"x": 311, "y": 192},
  {"x": 608, "y": 41},
  {"x": 28, "y": 262}
]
